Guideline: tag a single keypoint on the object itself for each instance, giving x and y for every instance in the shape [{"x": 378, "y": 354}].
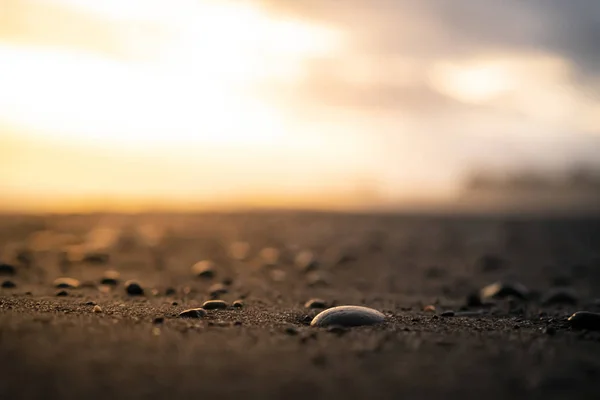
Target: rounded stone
[
  {"x": 8, "y": 285},
  {"x": 239, "y": 250},
  {"x": 315, "y": 303},
  {"x": 306, "y": 260},
  {"x": 585, "y": 320},
  {"x": 193, "y": 313},
  {"x": 269, "y": 256},
  {"x": 133, "y": 288},
  {"x": 110, "y": 277},
  {"x": 348, "y": 316},
  {"x": 7, "y": 269},
  {"x": 204, "y": 269},
  {"x": 215, "y": 305},
  {"x": 97, "y": 309},
  {"x": 66, "y": 283},
  {"x": 217, "y": 289},
  {"x": 499, "y": 290},
  {"x": 238, "y": 304},
  {"x": 62, "y": 293},
  {"x": 560, "y": 296}
]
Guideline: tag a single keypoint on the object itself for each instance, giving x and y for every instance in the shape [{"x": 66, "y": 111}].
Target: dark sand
[{"x": 59, "y": 348}]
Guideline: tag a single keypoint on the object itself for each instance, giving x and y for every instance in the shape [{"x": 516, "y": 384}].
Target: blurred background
[{"x": 131, "y": 105}]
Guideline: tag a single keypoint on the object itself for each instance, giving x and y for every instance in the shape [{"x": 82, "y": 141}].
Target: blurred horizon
[{"x": 131, "y": 105}]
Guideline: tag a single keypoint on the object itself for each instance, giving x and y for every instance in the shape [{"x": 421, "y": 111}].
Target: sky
[{"x": 192, "y": 103}]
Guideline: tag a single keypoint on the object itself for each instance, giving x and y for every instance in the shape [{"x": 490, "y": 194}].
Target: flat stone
[
  {"x": 238, "y": 304},
  {"x": 9, "y": 285},
  {"x": 448, "y": 313},
  {"x": 110, "y": 277},
  {"x": 133, "y": 288},
  {"x": 204, "y": 269},
  {"x": 500, "y": 290},
  {"x": 217, "y": 289},
  {"x": 585, "y": 320},
  {"x": 62, "y": 293},
  {"x": 348, "y": 316},
  {"x": 170, "y": 291},
  {"x": 66, "y": 283},
  {"x": 7, "y": 269},
  {"x": 315, "y": 278},
  {"x": 306, "y": 260},
  {"x": 315, "y": 303},
  {"x": 215, "y": 305},
  {"x": 269, "y": 256},
  {"x": 239, "y": 250},
  {"x": 97, "y": 309},
  {"x": 193, "y": 313},
  {"x": 96, "y": 258},
  {"x": 560, "y": 296}
]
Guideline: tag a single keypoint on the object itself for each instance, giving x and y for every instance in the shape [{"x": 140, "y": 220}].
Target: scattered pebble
[
  {"x": 500, "y": 290},
  {"x": 238, "y": 304},
  {"x": 158, "y": 320},
  {"x": 7, "y": 269},
  {"x": 348, "y": 316},
  {"x": 97, "y": 309},
  {"x": 239, "y": 250},
  {"x": 228, "y": 281},
  {"x": 278, "y": 275},
  {"x": 62, "y": 293},
  {"x": 217, "y": 289},
  {"x": 315, "y": 303},
  {"x": 560, "y": 296},
  {"x": 306, "y": 261},
  {"x": 204, "y": 269},
  {"x": 314, "y": 278},
  {"x": 133, "y": 288},
  {"x": 110, "y": 277},
  {"x": 174, "y": 303},
  {"x": 90, "y": 303},
  {"x": 96, "y": 258},
  {"x": 193, "y": 313},
  {"x": 170, "y": 291},
  {"x": 448, "y": 313},
  {"x": 214, "y": 305},
  {"x": 491, "y": 263},
  {"x": 9, "y": 285},
  {"x": 291, "y": 330},
  {"x": 585, "y": 320},
  {"x": 429, "y": 308},
  {"x": 269, "y": 256},
  {"x": 66, "y": 283}
]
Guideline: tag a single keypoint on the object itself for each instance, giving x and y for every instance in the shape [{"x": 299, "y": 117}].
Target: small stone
[
  {"x": 104, "y": 288},
  {"x": 315, "y": 303},
  {"x": 337, "y": 329},
  {"x": 193, "y": 313},
  {"x": 110, "y": 277},
  {"x": 501, "y": 290},
  {"x": 239, "y": 250},
  {"x": 62, "y": 293},
  {"x": 306, "y": 261},
  {"x": 174, "y": 303},
  {"x": 133, "y": 288},
  {"x": 158, "y": 320},
  {"x": 154, "y": 292},
  {"x": 269, "y": 256},
  {"x": 170, "y": 291},
  {"x": 215, "y": 305},
  {"x": 90, "y": 303},
  {"x": 238, "y": 304},
  {"x": 9, "y": 285},
  {"x": 7, "y": 269},
  {"x": 238, "y": 323},
  {"x": 96, "y": 258},
  {"x": 560, "y": 296},
  {"x": 291, "y": 330},
  {"x": 66, "y": 283},
  {"x": 97, "y": 309},
  {"x": 474, "y": 300},
  {"x": 429, "y": 308},
  {"x": 585, "y": 320},
  {"x": 491, "y": 263},
  {"x": 228, "y": 281},
  {"x": 348, "y": 316},
  {"x": 204, "y": 269},
  {"x": 278, "y": 275},
  {"x": 448, "y": 313},
  {"x": 315, "y": 278},
  {"x": 217, "y": 289}
]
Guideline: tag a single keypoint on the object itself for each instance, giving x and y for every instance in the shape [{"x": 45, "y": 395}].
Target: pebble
[
  {"x": 269, "y": 256},
  {"x": 110, "y": 277},
  {"x": 214, "y": 305},
  {"x": 291, "y": 330},
  {"x": 348, "y": 316},
  {"x": 193, "y": 313},
  {"x": 204, "y": 269},
  {"x": 90, "y": 303},
  {"x": 306, "y": 261},
  {"x": 315, "y": 303},
  {"x": 66, "y": 283},
  {"x": 585, "y": 320},
  {"x": 239, "y": 250},
  {"x": 429, "y": 308},
  {"x": 217, "y": 289},
  {"x": 491, "y": 263},
  {"x": 499, "y": 290},
  {"x": 448, "y": 313},
  {"x": 62, "y": 293},
  {"x": 96, "y": 258},
  {"x": 560, "y": 296},
  {"x": 314, "y": 278},
  {"x": 133, "y": 288},
  {"x": 278, "y": 275},
  {"x": 158, "y": 320},
  {"x": 170, "y": 291},
  {"x": 97, "y": 309},
  {"x": 8, "y": 285},
  {"x": 7, "y": 269},
  {"x": 238, "y": 304},
  {"x": 337, "y": 329}
]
